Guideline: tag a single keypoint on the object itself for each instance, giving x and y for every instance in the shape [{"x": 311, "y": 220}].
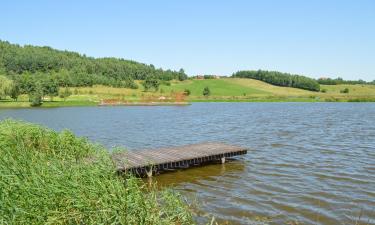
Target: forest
[
  {"x": 39, "y": 71},
  {"x": 280, "y": 79},
  {"x": 74, "y": 69}
]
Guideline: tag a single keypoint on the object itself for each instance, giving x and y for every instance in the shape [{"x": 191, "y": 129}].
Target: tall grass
[{"x": 47, "y": 177}]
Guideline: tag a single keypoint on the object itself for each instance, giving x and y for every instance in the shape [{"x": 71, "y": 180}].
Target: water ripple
[{"x": 308, "y": 162}]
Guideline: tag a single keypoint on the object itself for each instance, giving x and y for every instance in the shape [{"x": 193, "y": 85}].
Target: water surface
[{"x": 308, "y": 162}]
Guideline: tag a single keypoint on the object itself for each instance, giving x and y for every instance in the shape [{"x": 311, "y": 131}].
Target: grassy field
[
  {"x": 48, "y": 177},
  {"x": 222, "y": 90}
]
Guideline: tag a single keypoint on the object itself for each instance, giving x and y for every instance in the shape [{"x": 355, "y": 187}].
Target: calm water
[{"x": 308, "y": 162}]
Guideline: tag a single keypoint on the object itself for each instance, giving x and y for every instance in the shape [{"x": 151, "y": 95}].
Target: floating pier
[{"x": 149, "y": 162}]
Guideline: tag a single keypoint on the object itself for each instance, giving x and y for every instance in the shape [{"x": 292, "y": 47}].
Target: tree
[
  {"x": 65, "y": 93},
  {"x": 50, "y": 87},
  {"x": 206, "y": 92},
  {"x": 36, "y": 96},
  {"x": 14, "y": 91},
  {"x": 73, "y": 70},
  {"x": 181, "y": 75},
  {"x": 5, "y": 86},
  {"x": 150, "y": 83}
]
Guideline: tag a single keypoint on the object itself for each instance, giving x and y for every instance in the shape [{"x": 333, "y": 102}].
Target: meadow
[{"x": 221, "y": 90}]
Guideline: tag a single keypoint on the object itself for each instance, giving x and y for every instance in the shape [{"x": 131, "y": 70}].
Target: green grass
[
  {"x": 218, "y": 87},
  {"x": 222, "y": 90},
  {"x": 48, "y": 177}
]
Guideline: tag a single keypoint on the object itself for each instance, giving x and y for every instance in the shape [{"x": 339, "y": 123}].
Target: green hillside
[{"x": 73, "y": 69}]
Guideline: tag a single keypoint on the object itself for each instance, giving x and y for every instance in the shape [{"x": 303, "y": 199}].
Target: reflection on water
[
  {"x": 308, "y": 162},
  {"x": 196, "y": 175}
]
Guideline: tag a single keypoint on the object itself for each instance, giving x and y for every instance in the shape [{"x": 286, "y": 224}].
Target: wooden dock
[{"x": 149, "y": 162}]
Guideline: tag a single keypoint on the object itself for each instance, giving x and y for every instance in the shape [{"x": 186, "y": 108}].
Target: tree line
[
  {"x": 339, "y": 80},
  {"x": 36, "y": 86},
  {"x": 280, "y": 79},
  {"x": 72, "y": 69}
]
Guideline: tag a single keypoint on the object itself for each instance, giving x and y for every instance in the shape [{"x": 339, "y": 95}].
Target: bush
[
  {"x": 48, "y": 177},
  {"x": 35, "y": 100},
  {"x": 150, "y": 83},
  {"x": 206, "y": 91},
  {"x": 187, "y": 92},
  {"x": 345, "y": 91}
]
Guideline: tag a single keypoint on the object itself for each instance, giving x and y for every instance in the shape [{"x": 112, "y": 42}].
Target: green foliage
[
  {"x": 48, "y": 177},
  {"x": 181, "y": 75},
  {"x": 72, "y": 69},
  {"x": 50, "y": 87},
  {"x": 5, "y": 86},
  {"x": 324, "y": 90},
  {"x": 280, "y": 79},
  {"x": 151, "y": 83},
  {"x": 14, "y": 91},
  {"x": 339, "y": 80},
  {"x": 65, "y": 93},
  {"x": 206, "y": 92},
  {"x": 345, "y": 91},
  {"x": 36, "y": 96},
  {"x": 187, "y": 92}
]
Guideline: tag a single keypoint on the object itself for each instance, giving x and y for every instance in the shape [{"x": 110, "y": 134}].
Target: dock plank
[{"x": 181, "y": 155}]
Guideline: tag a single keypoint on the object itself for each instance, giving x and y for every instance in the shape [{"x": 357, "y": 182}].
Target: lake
[{"x": 308, "y": 162}]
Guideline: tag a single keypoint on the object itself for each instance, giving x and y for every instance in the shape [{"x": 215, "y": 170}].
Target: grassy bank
[
  {"x": 222, "y": 90},
  {"x": 48, "y": 177}
]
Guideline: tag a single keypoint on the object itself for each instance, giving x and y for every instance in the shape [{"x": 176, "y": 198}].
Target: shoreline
[{"x": 48, "y": 104}]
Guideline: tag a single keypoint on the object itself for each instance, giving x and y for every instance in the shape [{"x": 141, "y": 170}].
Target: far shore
[{"x": 75, "y": 103}]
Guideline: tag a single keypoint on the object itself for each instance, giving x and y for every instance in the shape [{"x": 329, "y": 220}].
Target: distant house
[{"x": 199, "y": 77}]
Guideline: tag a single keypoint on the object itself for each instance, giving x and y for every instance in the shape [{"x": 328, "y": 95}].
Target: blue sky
[{"x": 315, "y": 38}]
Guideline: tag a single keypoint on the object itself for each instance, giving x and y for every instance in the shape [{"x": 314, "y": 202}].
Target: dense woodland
[
  {"x": 73, "y": 69},
  {"x": 40, "y": 71},
  {"x": 280, "y": 79}
]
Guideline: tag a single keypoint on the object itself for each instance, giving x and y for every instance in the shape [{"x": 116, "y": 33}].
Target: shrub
[
  {"x": 206, "y": 91},
  {"x": 48, "y": 177},
  {"x": 187, "y": 92},
  {"x": 150, "y": 83},
  {"x": 35, "y": 100},
  {"x": 344, "y": 91}
]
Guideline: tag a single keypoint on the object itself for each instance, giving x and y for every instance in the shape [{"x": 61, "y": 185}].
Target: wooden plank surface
[{"x": 143, "y": 158}]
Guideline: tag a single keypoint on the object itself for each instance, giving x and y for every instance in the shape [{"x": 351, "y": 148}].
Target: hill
[{"x": 73, "y": 69}]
